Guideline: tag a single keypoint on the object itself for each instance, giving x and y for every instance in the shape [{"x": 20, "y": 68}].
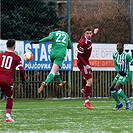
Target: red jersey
[
  {"x": 84, "y": 50},
  {"x": 9, "y": 61}
]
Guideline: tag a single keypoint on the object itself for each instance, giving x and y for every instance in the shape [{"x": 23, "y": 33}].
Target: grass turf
[{"x": 66, "y": 116}]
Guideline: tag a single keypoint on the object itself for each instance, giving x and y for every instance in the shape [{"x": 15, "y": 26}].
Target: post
[
  {"x": 68, "y": 30},
  {"x": 131, "y": 22}
]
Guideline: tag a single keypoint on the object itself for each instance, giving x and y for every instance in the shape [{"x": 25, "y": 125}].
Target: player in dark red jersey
[
  {"x": 9, "y": 61},
  {"x": 84, "y": 53}
]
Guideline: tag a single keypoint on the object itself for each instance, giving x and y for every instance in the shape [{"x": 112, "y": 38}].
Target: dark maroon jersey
[
  {"x": 84, "y": 50},
  {"x": 9, "y": 61}
]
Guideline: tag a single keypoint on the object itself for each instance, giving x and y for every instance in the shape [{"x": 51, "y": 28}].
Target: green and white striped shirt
[{"x": 122, "y": 61}]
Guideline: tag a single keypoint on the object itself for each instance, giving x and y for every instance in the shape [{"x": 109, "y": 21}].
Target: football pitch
[{"x": 66, "y": 116}]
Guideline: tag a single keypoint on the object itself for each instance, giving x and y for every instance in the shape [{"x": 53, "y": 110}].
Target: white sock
[
  {"x": 7, "y": 115},
  {"x": 86, "y": 100}
]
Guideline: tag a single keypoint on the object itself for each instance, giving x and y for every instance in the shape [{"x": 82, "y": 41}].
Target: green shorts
[
  {"x": 121, "y": 79},
  {"x": 57, "y": 58}
]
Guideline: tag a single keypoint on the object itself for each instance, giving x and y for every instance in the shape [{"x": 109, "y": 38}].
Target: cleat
[
  {"x": 9, "y": 119},
  {"x": 62, "y": 83},
  {"x": 88, "y": 105},
  {"x": 118, "y": 106},
  {"x": 41, "y": 87},
  {"x": 82, "y": 90},
  {"x": 128, "y": 105}
]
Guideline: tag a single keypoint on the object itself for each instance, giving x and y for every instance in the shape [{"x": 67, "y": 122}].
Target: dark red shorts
[
  {"x": 85, "y": 72},
  {"x": 7, "y": 86}
]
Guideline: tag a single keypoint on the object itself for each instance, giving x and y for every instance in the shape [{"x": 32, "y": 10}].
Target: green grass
[{"x": 66, "y": 116}]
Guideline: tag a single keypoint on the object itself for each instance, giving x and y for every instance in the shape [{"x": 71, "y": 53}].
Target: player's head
[
  {"x": 120, "y": 47},
  {"x": 88, "y": 32},
  {"x": 11, "y": 44}
]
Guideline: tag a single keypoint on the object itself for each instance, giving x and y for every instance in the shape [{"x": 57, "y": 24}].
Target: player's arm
[
  {"x": 130, "y": 59},
  {"x": 79, "y": 56},
  {"x": 69, "y": 44},
  {"x": 115, "y": 64},
  {"x": 80, "y": 52},
  {"x": 21, "y": 69},
  {"x": 46, "y": 39},
  {"x": 95, "y": 31}
]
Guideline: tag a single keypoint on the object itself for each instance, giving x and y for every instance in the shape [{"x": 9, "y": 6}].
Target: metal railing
[{"x": 100, "y": 87}]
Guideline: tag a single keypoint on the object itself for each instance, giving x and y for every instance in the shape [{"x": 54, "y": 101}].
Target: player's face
[
  {"x": 119, "y": 47},
  {"x": 88, "y": 34}
]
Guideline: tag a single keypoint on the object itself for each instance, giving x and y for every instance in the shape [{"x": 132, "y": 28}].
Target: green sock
[
  {"x": 122, "y": 95},
  {"x": 49, "y": 77},
  {"x": 114, "y": 94},
  {"x": 57, "y": 76}
]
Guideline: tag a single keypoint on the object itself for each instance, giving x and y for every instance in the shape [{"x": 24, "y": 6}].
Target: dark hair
[
  {"x": 121, "y": 43},
  {"x": 87, "y": 29},
  {"x": 10, "y": 43}
]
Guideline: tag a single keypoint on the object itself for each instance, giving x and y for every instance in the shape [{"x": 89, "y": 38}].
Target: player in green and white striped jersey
[{"x": 122, "y": 61}]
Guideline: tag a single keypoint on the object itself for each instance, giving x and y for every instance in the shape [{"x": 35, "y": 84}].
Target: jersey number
[
  {"x": 61, "y": 37},
  {"x": 6, "y": 62}
]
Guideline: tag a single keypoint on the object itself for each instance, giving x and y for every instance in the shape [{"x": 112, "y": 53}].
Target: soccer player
[
  {"x": 60, "y": 42},
  {"x": 9, "y": 61},
  {"x": 84, "y": 53},
  {"x": 122, "y": 60}
]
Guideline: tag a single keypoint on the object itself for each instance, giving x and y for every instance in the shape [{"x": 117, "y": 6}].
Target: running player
[{"x": 9, "y": 61}]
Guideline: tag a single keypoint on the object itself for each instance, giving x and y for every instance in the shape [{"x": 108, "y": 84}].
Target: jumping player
[
  {"x": 9, "y": 61},
  {"x": 60, "y": 42},
  {"x": 84, "y": 53}
]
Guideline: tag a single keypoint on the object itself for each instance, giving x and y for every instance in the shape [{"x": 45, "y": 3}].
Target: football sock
[
  {"x": 87, "y": 92},
  {"x": 122, "y": 95},
  {"x": 49, "y": 77},
  {"x": 83, "y": 83},
  {"x": 114, "y": 94},
  {"x": 57, "y": 76},
  {"x": 9, "y": 105}
]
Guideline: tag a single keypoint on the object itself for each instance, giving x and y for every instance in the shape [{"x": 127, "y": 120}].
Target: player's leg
[
  {"x": 55, "y": 68},
  {"x": 114, "y": 88},
  {"x": 8, "y": 90},
  {"x": 87, "y": 92},
  {"x": 122, "y": 81},
  {"x": 114, "y": 92},
  {"x": 59, "y": 61},
  {"x": 83, "y": 84},
  {"x": 58, "y": 78},
  {"x": 87, "y": 89}
]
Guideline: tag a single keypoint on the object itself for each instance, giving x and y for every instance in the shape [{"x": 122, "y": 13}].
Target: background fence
[
  {"x": 34, "y": 19},
  {"x": 100, "y": 88}
]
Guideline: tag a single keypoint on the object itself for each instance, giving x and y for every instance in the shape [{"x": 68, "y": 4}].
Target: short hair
[
  {"x": 87, "y": 29},
  {"x": 10, "y": 43},
  {"x": 121, "y": 43}
]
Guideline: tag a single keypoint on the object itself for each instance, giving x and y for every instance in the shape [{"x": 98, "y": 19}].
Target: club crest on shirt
[{"x": 120, "y": 62}]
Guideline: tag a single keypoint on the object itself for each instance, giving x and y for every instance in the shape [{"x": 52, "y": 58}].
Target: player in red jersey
[
  {"x": 84, "y": 53},
  {"x": 9, "y": 61}
]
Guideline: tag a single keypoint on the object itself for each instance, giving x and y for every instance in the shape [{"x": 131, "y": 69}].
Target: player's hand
[
  {"x": 122, "y": 73},
  {"x": 34, "y": 42},
  {"x": 88, "y": 67},
  {"x": 96, "y": 30},
  {"x": 24, "y": 82}
]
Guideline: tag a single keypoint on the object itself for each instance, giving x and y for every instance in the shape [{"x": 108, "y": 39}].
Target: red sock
[
  {"x": 83, "y": 83},
  {"x": 9, "y": 105},
  {"x": 87, "y": 92}
]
